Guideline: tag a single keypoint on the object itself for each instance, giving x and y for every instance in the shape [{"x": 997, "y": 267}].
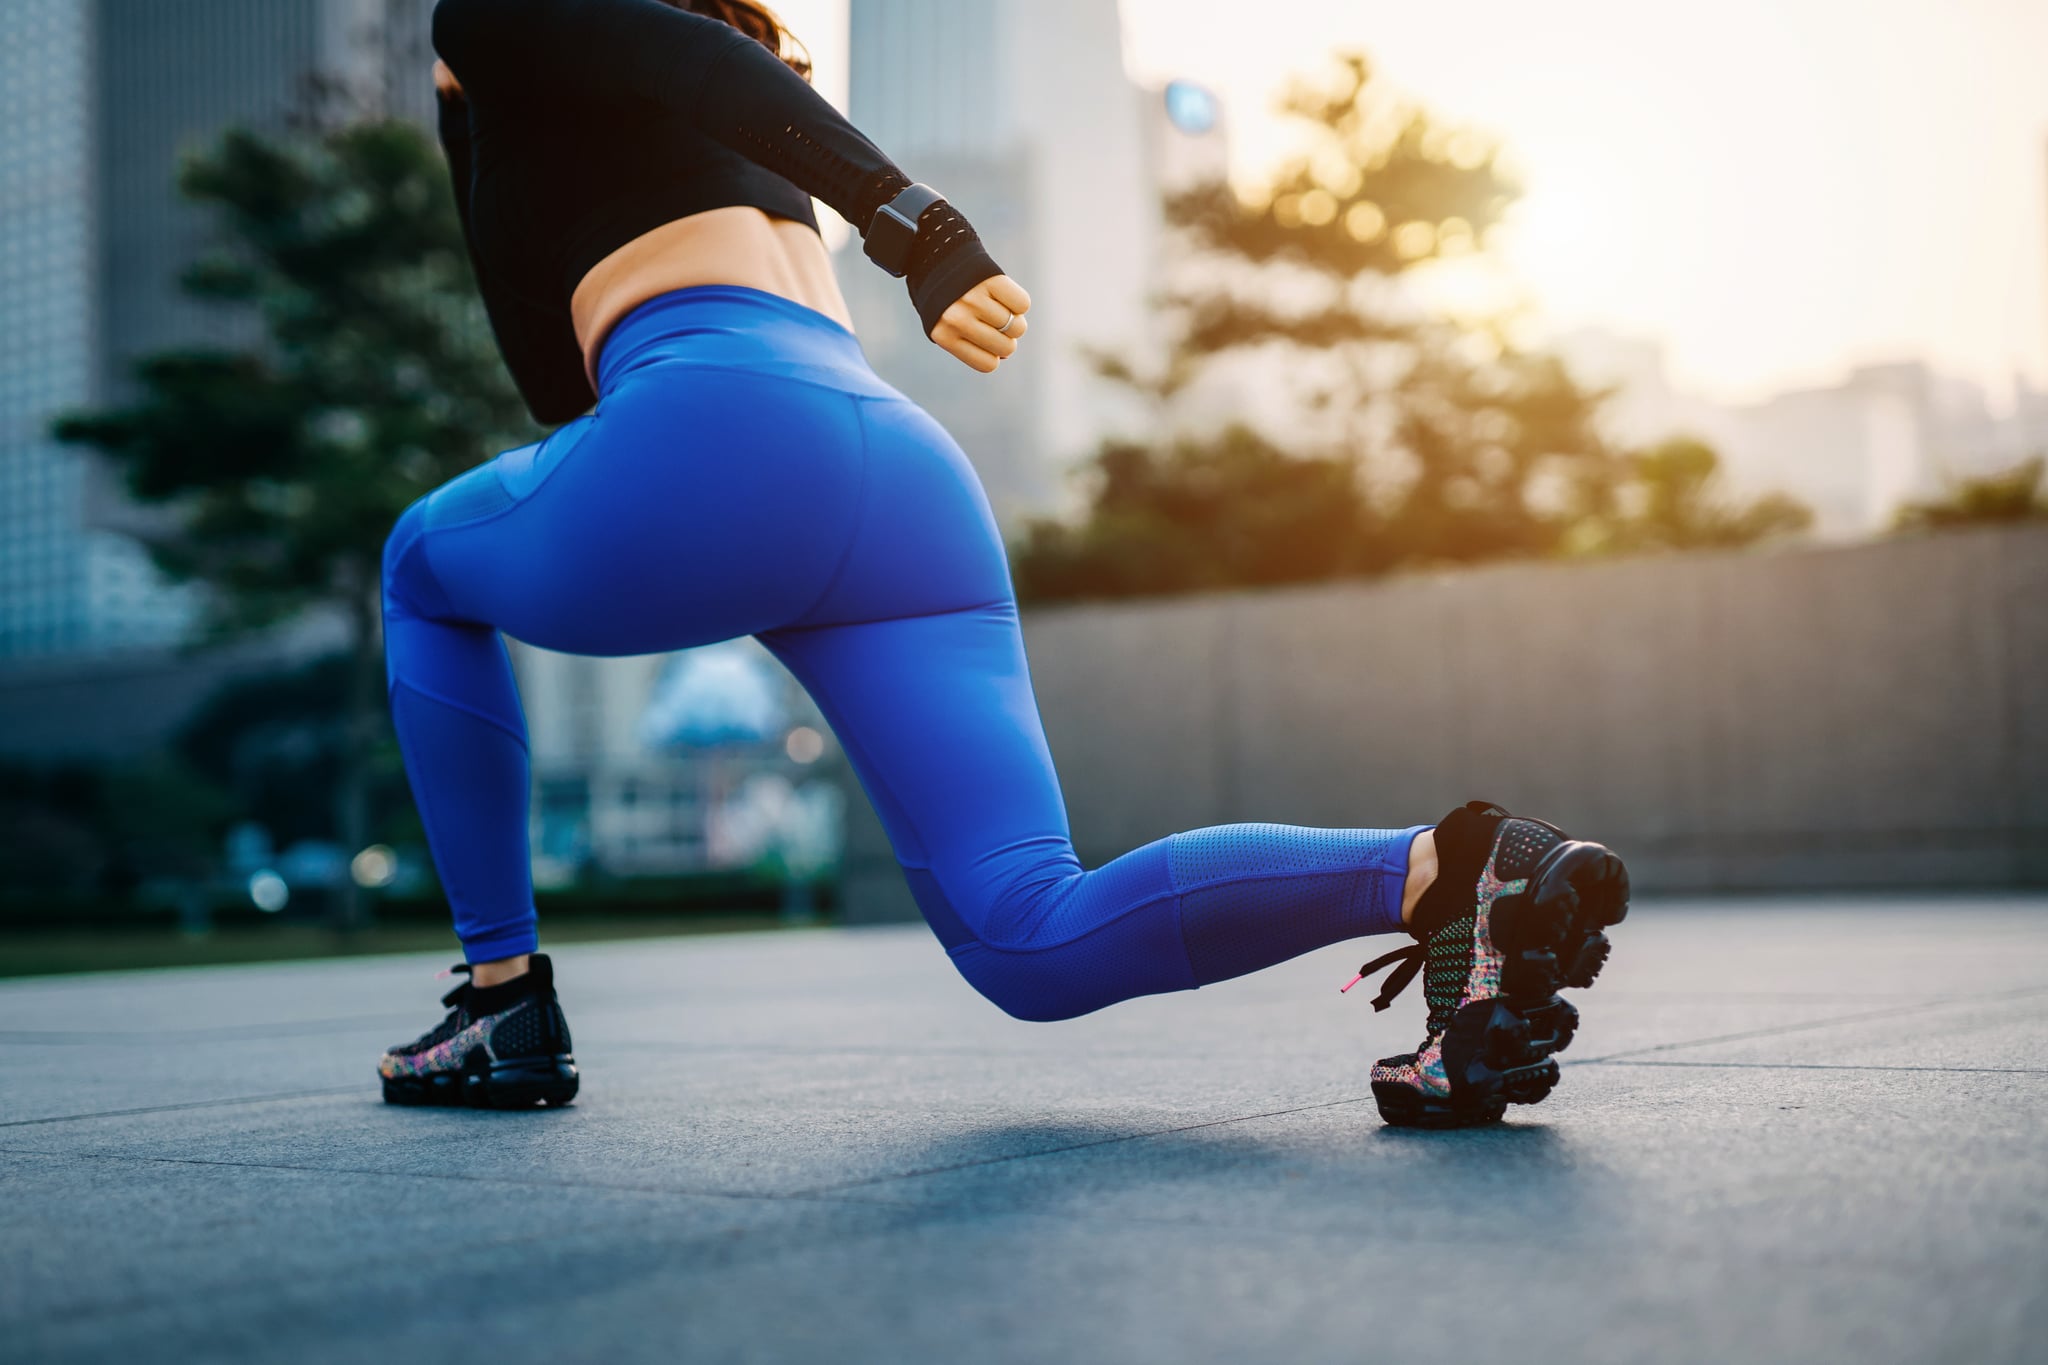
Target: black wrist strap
[{"x": 893, "y": 231}]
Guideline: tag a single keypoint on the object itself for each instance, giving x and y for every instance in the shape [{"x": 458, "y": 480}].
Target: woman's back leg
[{"x": 916, "y": 659}]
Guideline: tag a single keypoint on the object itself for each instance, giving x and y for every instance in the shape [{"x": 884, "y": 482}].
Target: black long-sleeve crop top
[{"x": 586, "y": 123}]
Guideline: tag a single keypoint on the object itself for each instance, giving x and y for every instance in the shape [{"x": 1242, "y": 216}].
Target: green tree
[
  {"x": 285, "y": 465},
  {"x": 1213, "y": 514},
  {"x": 2014, "y": 494},
  {"x": 1670, "y": 499},
  {"x": 1431, "y": 441}
]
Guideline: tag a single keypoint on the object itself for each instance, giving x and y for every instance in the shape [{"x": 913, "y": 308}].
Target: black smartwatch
[{"x": 894, "y": 229}]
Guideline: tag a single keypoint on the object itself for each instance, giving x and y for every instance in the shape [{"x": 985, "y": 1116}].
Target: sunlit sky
[{"x": 1777, "y": 189}]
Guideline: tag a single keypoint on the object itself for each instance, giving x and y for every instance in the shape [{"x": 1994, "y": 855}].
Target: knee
[
  {"x": 1022, "y": 980},
  {"x": 1034, "y": 986},
  {"x": 1080, "y": 941},
  {"x": 1014, "y": 960},
  {"x": 1053, "y": 942}
]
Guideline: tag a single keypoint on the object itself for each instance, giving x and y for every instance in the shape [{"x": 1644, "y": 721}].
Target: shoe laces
[
  {"x": 456, "y": 1019},
  {"x": 1411, "y": 959},
  {"x": 454, "y": 998}
]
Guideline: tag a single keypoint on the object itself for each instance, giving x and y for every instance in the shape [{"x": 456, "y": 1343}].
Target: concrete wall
[{"x": 1856, "y": 717}]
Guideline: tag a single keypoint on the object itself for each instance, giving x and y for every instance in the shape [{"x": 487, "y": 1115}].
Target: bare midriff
[{"x": 737, "y": 245}]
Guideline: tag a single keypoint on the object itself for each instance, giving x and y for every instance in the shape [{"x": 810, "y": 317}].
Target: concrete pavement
[{"x": 1790, "y": 1130}]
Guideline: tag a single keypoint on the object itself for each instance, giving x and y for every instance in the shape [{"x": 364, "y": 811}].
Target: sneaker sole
[
  {"x": 1495, "y": 1056},
  {"x": 516, "y": 1083},
  {"x": 1552, "y": 936},
  {"x": 1498, "y": 1052}
]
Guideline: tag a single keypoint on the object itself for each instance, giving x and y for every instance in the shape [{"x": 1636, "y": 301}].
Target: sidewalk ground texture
[{"x": 1790, "y": 1130}]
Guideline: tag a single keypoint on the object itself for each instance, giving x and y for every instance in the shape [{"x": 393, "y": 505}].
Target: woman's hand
[
  {"x": 968, "y": 329},
  {"x": 445, "y": 84}
]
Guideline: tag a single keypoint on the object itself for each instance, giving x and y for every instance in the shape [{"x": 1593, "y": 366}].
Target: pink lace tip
[
  {"x": 444, "y": 974},
  {"x": 1346, "y": 987}
]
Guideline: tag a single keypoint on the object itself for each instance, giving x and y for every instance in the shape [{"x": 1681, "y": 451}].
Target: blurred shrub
[
  {"x": 88, "y": 835},
  {"x": 1194, "y": 515},
  {"x": 275, "y": 743},
  {"x": 1669, "y": 498},
  {"x": 2010, "y": 495}
]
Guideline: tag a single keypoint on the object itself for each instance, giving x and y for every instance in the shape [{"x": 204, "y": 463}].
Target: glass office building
[
  {"x": 1060, "y": 169},
  {"x": 50, "y": 564},
  {"x": 98, "y": 101}
]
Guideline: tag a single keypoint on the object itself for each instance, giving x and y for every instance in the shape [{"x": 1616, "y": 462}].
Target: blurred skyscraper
[
  {"x": 1024, "y": 116},
  {"x": 62, "y": 585},
  {"x": 98, "y": 100}
]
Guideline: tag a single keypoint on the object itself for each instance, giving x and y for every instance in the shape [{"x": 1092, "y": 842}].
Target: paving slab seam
[
  {"x": 223, "y": 1033},
  {"x": 617, "y": 1187},
  {"x": 376, "y": 1268},
  {"x": 828, "y": 1192},
  {"x": 1997, "y": 998},
  {"x": 1049, "y": 1051},
  {"x": 373, "y": 1268},
  {"x": 1836, "y": 1066},
  {"x": 1668, "y": 1250},
  {"x": 190, "y": 1104},
  {"x": 1240, "y": 1230},
  {"x": 1616, "y": 1058},
  {"x": 823, "y": 1195},
  {"x": 1611, "y": 994}
]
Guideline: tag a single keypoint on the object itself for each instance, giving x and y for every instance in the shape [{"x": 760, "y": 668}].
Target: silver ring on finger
[{"x": 1004, "y": 326}]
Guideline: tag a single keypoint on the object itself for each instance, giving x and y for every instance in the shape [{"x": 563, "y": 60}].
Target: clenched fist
[{"x": 968, "y": 329}]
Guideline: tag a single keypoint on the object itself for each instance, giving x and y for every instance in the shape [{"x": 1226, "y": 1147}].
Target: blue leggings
[{"x": 745, "y": 473}]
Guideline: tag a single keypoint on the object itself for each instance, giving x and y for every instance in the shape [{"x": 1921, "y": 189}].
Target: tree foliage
[
  {"x": 2011, "y": 495},
  {"x": 1384, "y": 186},
  {"x": 287, "y": 464},
  {"x": 284, "y": 466},
  {"x": 1429, "y": 441},
  {"x": 1193, "y": 515},
  {"x": 1671, "y": 500},
  {"x": 278, "y": 743}
]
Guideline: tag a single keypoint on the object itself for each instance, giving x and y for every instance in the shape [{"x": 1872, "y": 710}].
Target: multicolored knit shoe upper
[
  {"x": 528, "y": 1024},
  {"x": 1483, "y": 858},
  {"x": 448, "y": 1046},
  {"x": 1517, "y": 911}
]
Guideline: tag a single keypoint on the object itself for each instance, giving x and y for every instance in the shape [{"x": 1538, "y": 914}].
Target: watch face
[
  {"x": 889, "y": 239},
  {"x": 892, "y": 231},
  {"x": 1190, "y": 108}
]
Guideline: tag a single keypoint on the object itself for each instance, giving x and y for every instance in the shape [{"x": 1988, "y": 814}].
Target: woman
[{"x": 635, "y": 180}]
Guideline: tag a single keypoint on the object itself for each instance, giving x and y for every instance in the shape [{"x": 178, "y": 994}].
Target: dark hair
[{"x": 758, "y": 22}]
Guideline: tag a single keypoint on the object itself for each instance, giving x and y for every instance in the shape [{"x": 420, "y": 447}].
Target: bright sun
[{"x": 1557, "y": 241}]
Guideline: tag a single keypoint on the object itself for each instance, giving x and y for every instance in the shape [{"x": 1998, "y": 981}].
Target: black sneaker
[
  {"x": 501, "y": 1047},
  {"x": 1516, "y": 912}
]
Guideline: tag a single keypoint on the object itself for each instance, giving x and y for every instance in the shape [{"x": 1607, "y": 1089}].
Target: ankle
[
  {"x": 1422, "y": 869},
  {"x": 497, "y": 973}
]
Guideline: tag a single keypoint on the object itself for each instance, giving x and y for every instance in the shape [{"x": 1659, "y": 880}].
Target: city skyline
[
  {"x": 1806, "y": 189},
  {"x": 1925, "y": 213}
]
